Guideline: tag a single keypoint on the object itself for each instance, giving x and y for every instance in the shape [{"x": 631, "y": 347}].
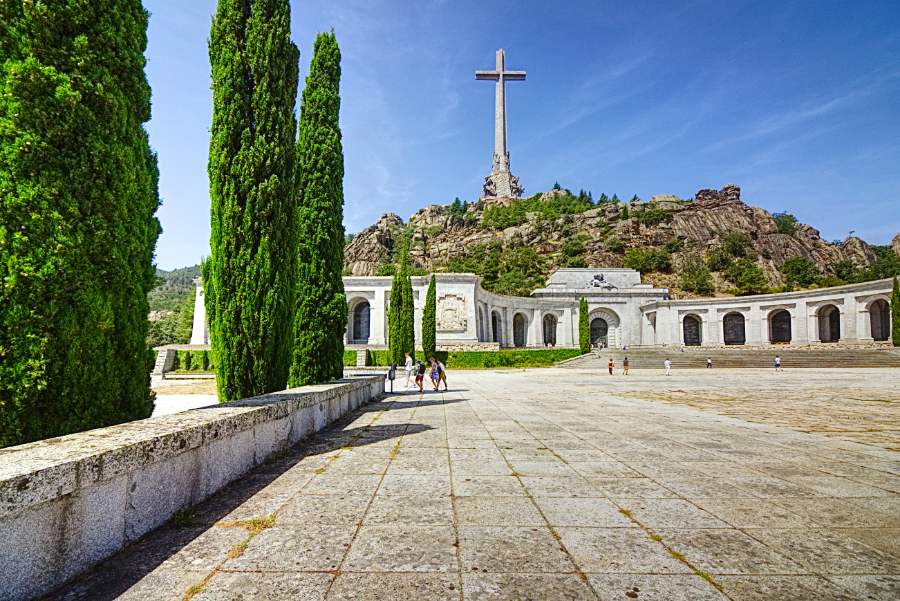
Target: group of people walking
[
  {"x": 668, "y": 364},
  {"x": 438, "y": 373}
]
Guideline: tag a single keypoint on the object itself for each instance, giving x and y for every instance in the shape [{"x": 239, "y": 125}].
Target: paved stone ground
[{"x": 537, "y": 485}]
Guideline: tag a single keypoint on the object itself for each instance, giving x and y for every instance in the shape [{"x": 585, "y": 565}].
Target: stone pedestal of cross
[{"x": 501, "y": 183}]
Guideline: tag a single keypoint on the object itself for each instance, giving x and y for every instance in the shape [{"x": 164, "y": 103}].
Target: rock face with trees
[
  {"x": 713, "y": 244},
  {"x": 78, "y": 197}
]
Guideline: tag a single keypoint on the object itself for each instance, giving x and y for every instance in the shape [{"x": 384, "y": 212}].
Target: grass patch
[
  {"x": 184, "y": 518},
  {"x": 625, "y": 512},
  {"x": 321, "y": 470}
]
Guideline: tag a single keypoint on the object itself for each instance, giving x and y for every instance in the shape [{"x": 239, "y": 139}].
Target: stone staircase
[
  {"x": 692, "y": 357},
  {"x": 361, "y": 358},
  {"x": 164, "y": 360}
]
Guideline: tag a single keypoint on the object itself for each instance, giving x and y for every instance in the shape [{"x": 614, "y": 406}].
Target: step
[{"x": 361, "y": 358}]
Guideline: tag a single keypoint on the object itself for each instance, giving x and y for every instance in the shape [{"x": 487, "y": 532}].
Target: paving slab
[{"x": 555, "y": 484}]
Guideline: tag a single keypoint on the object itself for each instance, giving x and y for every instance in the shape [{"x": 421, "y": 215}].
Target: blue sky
[{"x": 795, "y": 102}]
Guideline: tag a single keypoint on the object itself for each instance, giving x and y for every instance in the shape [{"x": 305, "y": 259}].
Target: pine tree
[
  {"x": 584, "y": 328},
  {"x": 321, "y": 305},
  {"x": 249, "y": 276},
  {"x": 429, "y": 321},
  {"x": 78, "y": 195},
  {"x": 895, "y": 314}
]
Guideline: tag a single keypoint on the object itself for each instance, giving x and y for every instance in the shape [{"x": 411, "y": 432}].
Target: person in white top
[
  {"x": 409, "y": 366},
  {"x": 668, "y": 365}
]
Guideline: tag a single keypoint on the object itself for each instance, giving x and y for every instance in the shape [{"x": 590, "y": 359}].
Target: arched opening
[
  {"x": 359, "y": 323},
  {"x": 599, "y": 331},
  {"x": 829, "y": 324},
  {"x": 550, "y": 329},
  {"x": 780, "y": 327},
  {"x": 880, "y": 320},
  {"x": 495, "y": 327},
  {"x": 690, "y": 326},
  {"x": 733, "y": 326},
  {"x": 519, "y": 330}
]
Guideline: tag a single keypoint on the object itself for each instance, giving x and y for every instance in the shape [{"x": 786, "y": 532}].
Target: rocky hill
[{"x": 713, "y": 238}]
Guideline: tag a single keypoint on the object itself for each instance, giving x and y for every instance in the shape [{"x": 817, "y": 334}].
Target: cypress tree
[
  {"x": 321, "y": 305},
  {"x": 429, "y": 321},
  {"x": 408, "y": 318},
  {"x": 395, "y": 304},
  {"x": 248, "y": 277},
  {"x": 584, "y": 328},
  {"x": 78, "y": 195},
  {"x": 895, "y": 314}
]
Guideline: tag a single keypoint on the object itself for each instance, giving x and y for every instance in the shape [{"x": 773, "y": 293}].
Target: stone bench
[{"x": 68, "y": 503}]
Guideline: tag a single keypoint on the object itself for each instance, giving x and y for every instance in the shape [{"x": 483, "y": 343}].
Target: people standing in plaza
[
  {"x": 409, "y": 369},
  {"x": 435, "y": 373},
  {"x": 611, "y": 366},
  {"x": 668, "y": 365},
  {"x": 420, "y": 375},
  {"x": 708, "y": 362},
  {"x": 778, "y": 363},
  {"x": 443, "y": 374},
  {"x": 625, "y": 366},
  {"x": 682, "y": 347}
]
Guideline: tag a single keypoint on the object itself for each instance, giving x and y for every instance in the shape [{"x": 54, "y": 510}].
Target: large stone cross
[{"x": 501, "y": 182}]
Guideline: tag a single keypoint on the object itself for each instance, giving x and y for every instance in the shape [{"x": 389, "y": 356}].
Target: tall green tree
[
  {"x": 321, "y": 305},
  {"x": 249, "y": 275},
  {"x": 895, "y": 314},
  {"x": 584, "y": 327},
  {"x": 429, "y": 321},
  {"x": 408, "y": 317},
  {"x": 78, "y": 197},
  {"x": 395, "y": 308}
]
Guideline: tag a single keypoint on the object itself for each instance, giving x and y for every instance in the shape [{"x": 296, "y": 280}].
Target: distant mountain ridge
[{"x": 173, "y": 288}]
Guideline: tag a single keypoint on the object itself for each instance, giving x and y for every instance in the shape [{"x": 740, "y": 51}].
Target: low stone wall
[{"x": 68, "y": 503}]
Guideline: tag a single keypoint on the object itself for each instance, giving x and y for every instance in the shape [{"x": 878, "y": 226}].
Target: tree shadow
[{"x": 152, "y": 564}]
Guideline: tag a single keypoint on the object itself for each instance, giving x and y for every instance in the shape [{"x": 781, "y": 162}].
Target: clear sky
[{"x": 798, "y": 103}]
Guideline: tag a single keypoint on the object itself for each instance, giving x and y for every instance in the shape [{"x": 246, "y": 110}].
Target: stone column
[
  {"x": 199, "y": 329},
  {"x": 712, "y": 332},
  {"x": 377, "y": 318},
  {"x": 851, "y": 336}
]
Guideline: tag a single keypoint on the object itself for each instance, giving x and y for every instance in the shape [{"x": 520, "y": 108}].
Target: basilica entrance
[
  {"x": 691, "y": 330},
  {"x": 733, "y": 326},
  {"x": 599, "y": 331}
]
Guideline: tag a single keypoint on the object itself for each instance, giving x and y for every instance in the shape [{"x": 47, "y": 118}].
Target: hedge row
[
  {"x": 200, "y": 361},
  {"x": 479, "y": 359}
]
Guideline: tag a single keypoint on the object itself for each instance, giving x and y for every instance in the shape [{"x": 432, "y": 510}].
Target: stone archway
[
  {"x": 360, "y": 323},
  {"x": 550, "y": 322},
  {"x": 691, "y": 330},
  {"x": 829, "y": 323},
  {"x": 613, "y": 323},
  {"x": 780, "y": 327},
  {"x": 519, "y": 330},
  {"x": 496, "y": 329},
  {"x": 599, "y": 331},
  {"x": 733, "y": 329},
  {"x": 880, "y": 320}
]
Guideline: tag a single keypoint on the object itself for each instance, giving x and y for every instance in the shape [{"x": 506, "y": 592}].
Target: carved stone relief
[{"x": 451, "y": 312}]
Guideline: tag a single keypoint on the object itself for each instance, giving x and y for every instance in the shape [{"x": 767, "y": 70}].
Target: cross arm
[
  {"x": 493, "y": 75},
  {"x": 514, "y": 75}
]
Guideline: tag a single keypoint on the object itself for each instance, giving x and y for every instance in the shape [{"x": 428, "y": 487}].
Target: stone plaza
[{"x": 557, "y": 484}]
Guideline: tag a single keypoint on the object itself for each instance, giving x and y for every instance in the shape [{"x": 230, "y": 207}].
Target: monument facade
[{"x": 501, "y": 183}]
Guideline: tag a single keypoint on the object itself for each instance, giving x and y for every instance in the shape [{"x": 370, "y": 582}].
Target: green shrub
[
  {"x": 652, "y": 215},
  {"x": 615, "y": 245},
  {"x": 624, "y": 214},
  {"x": 647, "y": 260},
  {"x": 573, "y": 247},
  {"x": 718, "y": 259},
  {"x": 584, "y": 328},
  {"x": 786, "y": 223},
  {"x": 801, "y": 271},
  {"x": 749, "y": 278},
  {"x": 895, "y": 313},
  {"x": 673, "y": 246},
  {"x": 695, "y": 277},
  {"x": 736, "y": 243},
  {"x": 576, "y": 262}
]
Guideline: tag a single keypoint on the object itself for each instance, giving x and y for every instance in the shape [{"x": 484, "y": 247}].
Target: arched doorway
[
  {"x": 359, "y": 323},
  {"x": 733, "y": 329},
  {"x": 829, "y": 324},
  {"x": 780, "y": 327},
  {"x": 495, "y": 327},
  {"x": 599, "y": 331},
  {"x": 691, "y": 330},
  {"x": 880, "y": 320},
  {"x": 519, "y": 330},
  {"x": 550, "y": 329}
]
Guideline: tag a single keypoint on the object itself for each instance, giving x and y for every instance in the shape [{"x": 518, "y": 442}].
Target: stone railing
[{"x": 68, "y": 503}]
